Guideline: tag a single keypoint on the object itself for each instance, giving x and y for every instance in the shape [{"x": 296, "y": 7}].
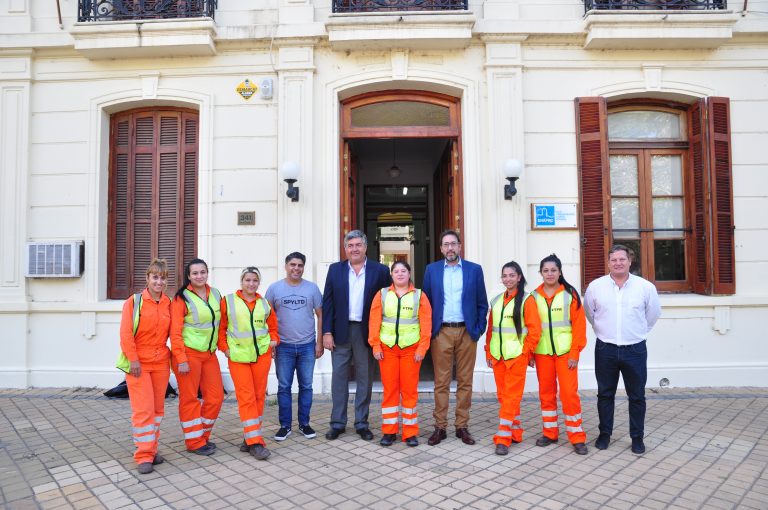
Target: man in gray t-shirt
[{"x": 297, "y": 302}]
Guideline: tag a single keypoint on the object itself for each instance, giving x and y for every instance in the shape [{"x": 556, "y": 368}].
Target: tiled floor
[{"x": 707, "y": 448}]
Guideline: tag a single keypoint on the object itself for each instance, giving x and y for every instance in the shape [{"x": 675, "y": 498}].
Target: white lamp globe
[
  {"x": 290, "y": 170},
  {"x": 512, "y": 168}
]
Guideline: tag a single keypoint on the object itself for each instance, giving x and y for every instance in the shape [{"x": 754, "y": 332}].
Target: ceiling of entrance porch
[{"x": 417, "y": 158}]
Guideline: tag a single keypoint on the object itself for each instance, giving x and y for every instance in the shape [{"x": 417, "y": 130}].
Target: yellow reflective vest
[
  {"x": 400, "y": 318},
  {"x": 201, "y": 324},
  {"x": 556, "y": 330},
  {"x": 247, "y": 332},
  {"x": 505, "y": 343}
]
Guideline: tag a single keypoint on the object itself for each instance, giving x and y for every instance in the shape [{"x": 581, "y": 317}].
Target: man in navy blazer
[
  {"x": 349, "y": 290},
  {"x": 456, "y": 291}
]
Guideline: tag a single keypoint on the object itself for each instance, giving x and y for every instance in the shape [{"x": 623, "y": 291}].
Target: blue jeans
[
  {"x": 631, "y": 361},
  {"x": 301, "y": 359}
]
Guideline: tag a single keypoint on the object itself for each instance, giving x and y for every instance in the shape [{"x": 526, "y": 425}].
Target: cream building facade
[{"x": 451, "y": 93}]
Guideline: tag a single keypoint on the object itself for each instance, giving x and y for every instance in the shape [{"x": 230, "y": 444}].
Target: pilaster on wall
[
  {"x": 295, "y": 74},
  {"x": 503, "y": 65},
  {"x": 15, "y": 70},
  {"x": 15, "y": 17},
  {"x": 14, "y": 149},
  {"x": 292, "y": 12},
  {"x": 501, "y": 9}
]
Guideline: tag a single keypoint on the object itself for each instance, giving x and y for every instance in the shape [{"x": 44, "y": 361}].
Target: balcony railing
[
  {"x": 116, "y": 10},
  {"x": 636, "y": 5},
  {"x": 398, "y": 5}
]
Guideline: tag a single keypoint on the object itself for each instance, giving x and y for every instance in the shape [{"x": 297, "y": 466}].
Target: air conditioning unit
[{"x": 55, "y": 259}]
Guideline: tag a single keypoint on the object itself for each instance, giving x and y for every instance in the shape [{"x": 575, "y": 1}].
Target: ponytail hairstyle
[
  {"x": 561, "y": 280},
  {"x": 517, "y": 316},
  {"x": 180, "y": 292}
]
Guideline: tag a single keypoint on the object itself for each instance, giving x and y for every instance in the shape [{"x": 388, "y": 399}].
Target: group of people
[{"x": 370, "y": 313}]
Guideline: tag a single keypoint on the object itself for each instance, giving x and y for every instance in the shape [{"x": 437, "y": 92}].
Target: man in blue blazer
[
  {"x": 349, "y": 290},
  {"x": 456, "y": 290}
]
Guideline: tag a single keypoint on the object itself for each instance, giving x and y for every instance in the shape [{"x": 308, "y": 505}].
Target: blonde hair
[
  {"x": 158, "y": 266},
  {"x": 250, "y": 269}
]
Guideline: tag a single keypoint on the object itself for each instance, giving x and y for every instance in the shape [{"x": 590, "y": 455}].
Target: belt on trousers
[
  {"x": 355, "y": 322},
  {"x": 621, "y": 346},
  {"x": 453, "y": 324}
]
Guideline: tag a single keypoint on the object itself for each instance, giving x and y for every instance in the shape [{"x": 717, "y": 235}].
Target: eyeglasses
[{"x": 450, "y": 245}]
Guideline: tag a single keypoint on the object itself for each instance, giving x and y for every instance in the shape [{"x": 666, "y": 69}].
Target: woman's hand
[
  {"x": 378, "y": 355},
  {"x": 489, "y": 362},
  {"x": 272, "y": 346},
  {"x": 572, "y": 364},
  {"x": 184, "y": 368},
  {"x": 226, "y": 353},
  {"x": 135, "y": 369},
  {"x": 418, "y": 358},
  {"x": 531, "y": 361}
]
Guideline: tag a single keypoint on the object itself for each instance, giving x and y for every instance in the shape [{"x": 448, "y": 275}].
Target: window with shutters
[
  {"x": 152, "y": 195},
  {"x": 656, "y": 176}
]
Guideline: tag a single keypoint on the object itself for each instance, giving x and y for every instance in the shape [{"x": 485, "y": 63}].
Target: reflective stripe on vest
[
  {"x": 556, "y": 330},
  {"x": 504, "y": 339},
  {"x": 201, "y": 324},
  {"x": 400, "y": 319},
  {"x": 247, "y": 333}
]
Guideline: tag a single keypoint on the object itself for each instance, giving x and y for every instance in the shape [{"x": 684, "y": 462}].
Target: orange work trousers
[
  {"x": 147, "y": 396},
  {"x": 510, "y": 382},
  {"x": 197, "y": 417},
  {"x": 551, "y": 371},
  {"x": 400, "y": 378},
  {"x": 250, "y": 381}
]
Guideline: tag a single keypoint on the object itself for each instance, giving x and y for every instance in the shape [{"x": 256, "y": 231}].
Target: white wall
[{"x": 517, "y": 100}]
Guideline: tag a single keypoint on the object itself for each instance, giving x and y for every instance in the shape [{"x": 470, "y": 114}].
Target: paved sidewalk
[{"x": 707, "y": 448}]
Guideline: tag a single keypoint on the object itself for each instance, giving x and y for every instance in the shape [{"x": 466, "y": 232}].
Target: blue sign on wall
[{"x": 553, "y": 216}]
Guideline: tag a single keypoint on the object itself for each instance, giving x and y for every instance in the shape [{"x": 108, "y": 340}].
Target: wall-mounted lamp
[
  {"x": 512, "y": 170},
  {"x": 290, "y": 171}
]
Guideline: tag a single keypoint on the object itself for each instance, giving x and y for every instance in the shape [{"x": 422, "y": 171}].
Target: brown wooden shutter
[
  {"x": 153, "y": 201},
  {"x": 119, "y": 209},
  {"x": 592, "y": 154},
  {"x": 699, "y": 202},
  {"x": 721, "y": 183},
  {"x": 188, "y": 197}
]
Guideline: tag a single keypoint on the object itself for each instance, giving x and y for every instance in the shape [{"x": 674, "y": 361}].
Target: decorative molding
[
  {"x": 399, "y": 64},
  {"x": 658, "y": 29},
  {"x": 438, "y": 30},
  {"x": 722, "y": 319},
  {"x": 145, "y": 38}
]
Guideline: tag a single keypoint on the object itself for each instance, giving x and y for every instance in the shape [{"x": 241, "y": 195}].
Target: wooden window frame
[
  {"x": 182, "y": 220},
  {"x": 707, "y": 181},
  {"x": 645, "y": 198}
]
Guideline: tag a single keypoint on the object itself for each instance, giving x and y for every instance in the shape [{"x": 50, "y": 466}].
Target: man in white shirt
[{"x": 622, "y": 309}]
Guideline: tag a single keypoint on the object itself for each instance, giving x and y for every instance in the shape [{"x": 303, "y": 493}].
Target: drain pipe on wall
[
  {"x": 744, "y": 10},
  {"x": 61, "y": 24}
]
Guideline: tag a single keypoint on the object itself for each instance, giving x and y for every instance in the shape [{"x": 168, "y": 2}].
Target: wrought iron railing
[
  {"x": 398, "y": 5},
  {"x": 115, "y": 10},
  {"x": 636, "y": 5}
]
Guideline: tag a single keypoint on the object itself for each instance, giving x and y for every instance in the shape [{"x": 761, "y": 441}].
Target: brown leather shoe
[
  {"x": 437, "y": 436},
  {"x": 465, "y": 436}
]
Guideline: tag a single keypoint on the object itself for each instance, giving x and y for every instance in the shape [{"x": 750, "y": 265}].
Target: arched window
[
  {"x": 656, "y": 176},
  {"x": 152, "y": 195}
]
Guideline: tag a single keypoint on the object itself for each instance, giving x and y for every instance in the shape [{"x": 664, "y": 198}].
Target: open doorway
[{"x": 400, "y": 178}]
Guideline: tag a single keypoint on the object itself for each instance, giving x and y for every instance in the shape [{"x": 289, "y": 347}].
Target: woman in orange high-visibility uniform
[
  {"x": 514, "y": 329},
  {"x": 400, "y": 327},
  {"x": 195, "y": 316},
  {"x": 144, "y": 329},
  {"x": 248, "y": 337},
  {"x": 563, "y": 336}
]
